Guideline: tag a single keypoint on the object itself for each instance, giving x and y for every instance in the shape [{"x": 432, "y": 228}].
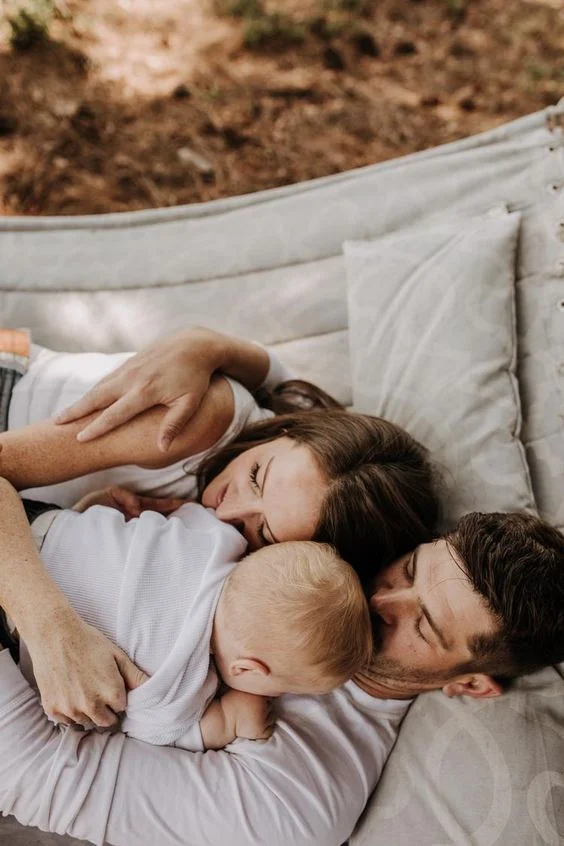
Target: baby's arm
[
  {"x": 236, "y": 714},
  {"x": 44, "y": 453}
]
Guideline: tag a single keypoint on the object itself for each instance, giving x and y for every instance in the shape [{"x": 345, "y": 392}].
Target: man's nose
[{"x": 390, "y": 603}]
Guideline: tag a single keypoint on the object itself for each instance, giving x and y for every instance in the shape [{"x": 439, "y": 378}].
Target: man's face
[{"x": 424, "y": 613}]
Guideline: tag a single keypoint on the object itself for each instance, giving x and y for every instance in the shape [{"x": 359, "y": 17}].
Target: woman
[{"x": 355, "y": 481}]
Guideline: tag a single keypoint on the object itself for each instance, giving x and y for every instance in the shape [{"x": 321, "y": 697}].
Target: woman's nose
[{"x": 237, "y": 512}]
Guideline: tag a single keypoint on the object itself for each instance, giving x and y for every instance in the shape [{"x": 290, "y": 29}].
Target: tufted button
[
  {"x": 561, "y": 305},
  {"x": 554, "y": 187}
]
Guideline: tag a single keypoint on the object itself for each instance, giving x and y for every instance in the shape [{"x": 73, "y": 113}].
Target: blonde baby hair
[{"x": 300, "y": 605}]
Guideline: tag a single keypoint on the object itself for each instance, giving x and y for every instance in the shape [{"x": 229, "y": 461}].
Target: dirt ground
[{"x": 133, "y": 104}]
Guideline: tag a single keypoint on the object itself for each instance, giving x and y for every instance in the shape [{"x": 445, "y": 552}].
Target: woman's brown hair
[{"x": 380, "y": 500}]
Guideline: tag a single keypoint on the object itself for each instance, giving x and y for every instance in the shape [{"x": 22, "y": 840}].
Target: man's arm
[
  {"x": 306, "y": 786},
  {"x": 173, "y": 372},
  {"x": 44, "y": 453}
]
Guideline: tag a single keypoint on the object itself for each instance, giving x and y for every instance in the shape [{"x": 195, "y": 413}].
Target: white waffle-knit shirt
[{"x": 151, "y": 585}]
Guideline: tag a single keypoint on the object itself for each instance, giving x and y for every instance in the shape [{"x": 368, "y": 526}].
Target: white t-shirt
[
  {"x": 151, "y": 585},
  {"x": 306, "y": 786},
  {"x": 55, "y": 380}
]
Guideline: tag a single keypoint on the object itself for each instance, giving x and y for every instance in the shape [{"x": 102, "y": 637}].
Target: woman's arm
[
  {"x": 80, "y": 674},
  {"x": 44, "y": 453},
  {"x": 173, "y": 372}
]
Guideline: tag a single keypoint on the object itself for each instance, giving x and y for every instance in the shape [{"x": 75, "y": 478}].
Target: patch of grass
[
  {"x": 29, "y": 22},
  {"x": 239, "y": 8},
  {"x": 457, "y": 8},
  {"x": 346, "y": 5},
  {"x": 538, "y": 72},
  {"x": 274, "y": 27}
]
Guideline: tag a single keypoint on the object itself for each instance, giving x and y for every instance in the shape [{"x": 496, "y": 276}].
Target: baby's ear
[{"x": 248, "y": 665}]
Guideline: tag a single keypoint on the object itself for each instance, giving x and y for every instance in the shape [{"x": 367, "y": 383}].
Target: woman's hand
[
  {"x": 129, "y": 503},
  {"x": 81, "y": 675},
  {"x": 174, "y": 372}
]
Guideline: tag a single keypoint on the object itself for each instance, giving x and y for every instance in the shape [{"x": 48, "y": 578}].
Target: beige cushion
[
  {"x": 433, "y": 348},
  {"x": 471, "y": 773}
]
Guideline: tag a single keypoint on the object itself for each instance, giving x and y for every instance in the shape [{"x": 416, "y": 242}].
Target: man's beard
[{"x": 389, "y": 669}]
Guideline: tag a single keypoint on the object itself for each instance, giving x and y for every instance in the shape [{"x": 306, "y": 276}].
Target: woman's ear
[
  {"x": 248, "y": 665},
  {"x": 476, "y": 685}
]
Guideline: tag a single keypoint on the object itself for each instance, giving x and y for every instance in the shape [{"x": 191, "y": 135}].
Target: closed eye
[
  {"x": 409, "y": 569},
  {"x": 418, "y": 630},
  {"x": 262, "y": 537},
  {"x": 253, "y": 476}
]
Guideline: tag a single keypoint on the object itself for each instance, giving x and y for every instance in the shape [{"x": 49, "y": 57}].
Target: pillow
[
  {"x": 433, "y": 348},
  {"x": 475, "y": 772}
]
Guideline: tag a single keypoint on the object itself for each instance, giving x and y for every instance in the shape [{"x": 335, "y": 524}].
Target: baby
[{"x": 289, "y": 618}]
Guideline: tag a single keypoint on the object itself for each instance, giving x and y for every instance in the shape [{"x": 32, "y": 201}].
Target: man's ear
[
  {"x": 248, "y": 665},
  {"x": 476, "y": 685}
]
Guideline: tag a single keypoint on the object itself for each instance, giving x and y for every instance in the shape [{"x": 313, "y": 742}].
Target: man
[{"x": 487, "y": 599}]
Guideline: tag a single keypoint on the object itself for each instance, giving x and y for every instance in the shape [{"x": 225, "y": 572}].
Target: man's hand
[
  {"x": 174, "y": 372},
  {"x": 82, "y": 676},
  {"x": 129, "y": 503}
]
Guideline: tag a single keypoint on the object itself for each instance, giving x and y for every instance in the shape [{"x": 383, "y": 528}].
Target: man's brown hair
[{"x": 515, "y": 562}]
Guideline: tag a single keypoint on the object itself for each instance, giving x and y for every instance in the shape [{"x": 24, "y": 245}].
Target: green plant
[
  {"x": 456, "y": 8},
  {"x": 29, "y": 22},
  {"x": 273, "y": 27},
  {"x": 346, "y": 5},
  {"x": 239, "y": 8}
]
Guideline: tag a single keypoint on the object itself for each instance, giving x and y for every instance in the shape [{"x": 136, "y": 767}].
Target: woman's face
[{"x": 271, "y": 493}]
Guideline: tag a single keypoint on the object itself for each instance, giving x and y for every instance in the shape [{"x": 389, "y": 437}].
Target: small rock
[
  {"x": 465, "y": 98},
  {"x": 460, "y": 49},
  {"x": 332, "y": 59},
  {"x": 405, "y": 48},
  {"x": 233, "y": 137},
  {"x": 64, "y": 108},
  {"x": 190, "y": 157},
  {"x": 8, "y": 125},
  {"x": 468, "y": 104},
  {"x": 181, "y": 92},
  {"x": 366, "y": 43}
]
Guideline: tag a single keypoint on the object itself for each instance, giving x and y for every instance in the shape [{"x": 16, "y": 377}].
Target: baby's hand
[
  {"x": 129, "y": 503},
  {"x": 251, "y": 716}
]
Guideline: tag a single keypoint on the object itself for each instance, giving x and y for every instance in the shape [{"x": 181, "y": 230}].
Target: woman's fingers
[
  {"x": 97, "y": 398},
  {"x": 120, "y": 411}
]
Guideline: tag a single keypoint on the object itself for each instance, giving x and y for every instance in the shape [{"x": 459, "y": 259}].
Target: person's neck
[{"x": 384, "y": 688}]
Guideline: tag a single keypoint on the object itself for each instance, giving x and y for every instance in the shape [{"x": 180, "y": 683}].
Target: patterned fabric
[
  {"x": 14, "y": 360},
  {"x": 433, "y": 348}
]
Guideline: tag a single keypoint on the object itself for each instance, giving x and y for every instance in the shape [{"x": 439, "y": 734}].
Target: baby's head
[{"x": 291, "y": 618}]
